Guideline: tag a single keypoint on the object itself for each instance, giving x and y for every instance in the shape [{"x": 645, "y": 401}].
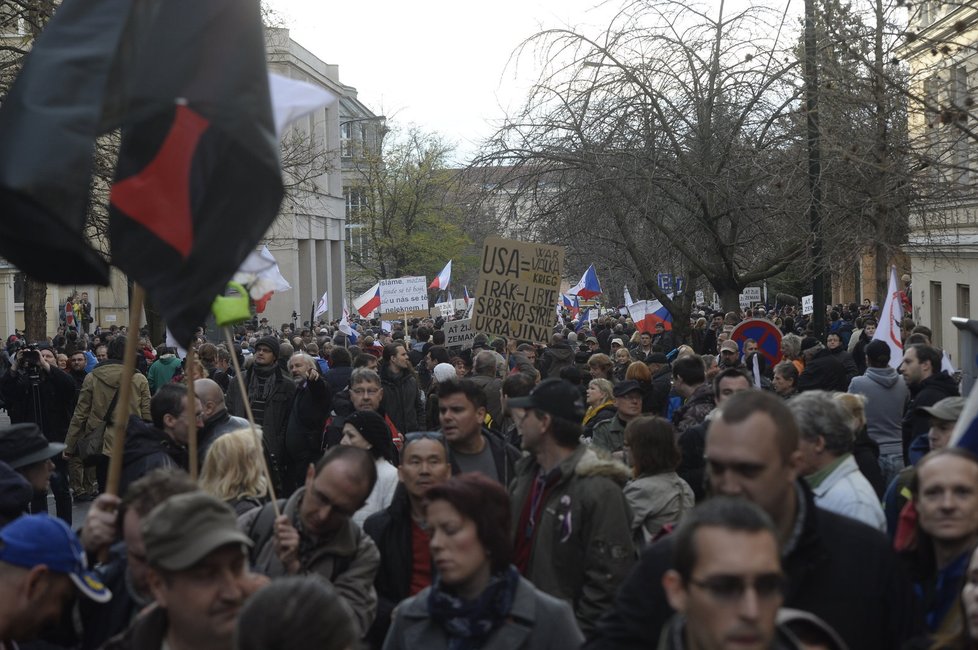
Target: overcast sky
[{"x": 439, "y": 64}]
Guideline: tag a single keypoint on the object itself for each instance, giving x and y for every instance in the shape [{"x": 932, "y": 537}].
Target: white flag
[
  {"x": 292, "y": 99},
  {"x": 628, "y": 297},
  {"x": 323, "y": 305},
  {"x": 888, "y": 329}
]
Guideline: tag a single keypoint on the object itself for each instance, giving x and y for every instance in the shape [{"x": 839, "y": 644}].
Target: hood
[
  {"x": 885, "y": 377},
  {"x": 592, "y": 465},
  {"x": 143, "y": 439},
  {"x": 108, "y": 372},
  {"x": 562, "y": 352},
  {"x": 942, "y": 382},
  {"x": 168, "y": 360},
  {"x": 15, "y": 492}
]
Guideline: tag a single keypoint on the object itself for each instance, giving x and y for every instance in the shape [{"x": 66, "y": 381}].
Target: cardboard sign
[
  {"x": 459, "y": 334},
  {"x": 808, "y": 304},
  {"x": 401, "y": 295},
  {"x": 700, "y": 298},
  {"x": 519, "y": 284},
  {"x": 750, "y": 296}
]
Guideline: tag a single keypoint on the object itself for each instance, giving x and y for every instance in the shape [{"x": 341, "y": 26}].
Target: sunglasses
[{"x": 730, "y": 589}]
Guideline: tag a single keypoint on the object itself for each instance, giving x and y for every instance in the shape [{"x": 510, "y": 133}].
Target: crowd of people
[{"x": 613, "y": 488}]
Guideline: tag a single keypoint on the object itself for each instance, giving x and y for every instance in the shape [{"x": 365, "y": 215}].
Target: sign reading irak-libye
[
  {"x": 519, "y": 284},
  {"x": 404, "y": 295}
]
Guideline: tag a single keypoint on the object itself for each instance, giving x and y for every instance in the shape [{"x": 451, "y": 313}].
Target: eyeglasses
[
  {"x": 424, "y": 435},
  {"x": 730, "y": 589}
]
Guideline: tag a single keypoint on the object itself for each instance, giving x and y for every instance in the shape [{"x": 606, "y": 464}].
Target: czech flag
[
  {"x": 588, "y": 287},
  {"x": 573, "y": 306},
  {"x": 647, "y": 313},
  {"x": 444, "y": 278},
  {"x": 368, "y": 302},
  {"x": 465, "y": 295}
]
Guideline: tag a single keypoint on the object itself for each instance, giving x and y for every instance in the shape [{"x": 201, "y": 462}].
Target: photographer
[{"x": 36, "y": 390}]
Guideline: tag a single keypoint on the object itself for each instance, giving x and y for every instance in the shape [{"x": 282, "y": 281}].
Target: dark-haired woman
[
  {"x": 478, "y": 599},
  {"x": 368, "y": 430},
  {"x": 657, "y": 495}
]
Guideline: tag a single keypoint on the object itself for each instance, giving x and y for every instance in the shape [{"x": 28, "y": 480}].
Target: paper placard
[
  {"x": 700, "y": 298},
  {"x": 459, "y": 334},
  {"x": 808, "y": 304},
  {"x": 399, "y": 295},
  {"x": 519, "y": 284}
]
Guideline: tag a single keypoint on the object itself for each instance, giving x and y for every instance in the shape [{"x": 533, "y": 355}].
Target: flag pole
[
  {"x": 192, "y": 411},
  {"x": 125, "y": 392},
  {"x": 251, "y": 419}
]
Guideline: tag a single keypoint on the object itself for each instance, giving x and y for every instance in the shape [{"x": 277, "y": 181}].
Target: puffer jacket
[
  {"x": 97, "y": 392},
  {"x": 582, "y": 547},
  {"x": 402, "y": 400}
]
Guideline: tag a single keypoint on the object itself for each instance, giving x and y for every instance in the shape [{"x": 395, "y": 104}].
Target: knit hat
[
  {"x": 444, "y": 372},
  {"x": 271, "y": 343},
  {"x": 809, "y": 342},
  {"x": 374, "y": 430}
]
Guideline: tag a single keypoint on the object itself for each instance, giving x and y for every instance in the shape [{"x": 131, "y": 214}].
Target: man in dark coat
[
  {"x": 921, "y": 369},
  {"x": 214, "y": 413},
  {"x": 270, "y": 392},
  {"x": 836, "y": 568},
  {"x": 823, "y": 370},
  {"x": 161, "y": 444},
  {"x": 402, "y": 393},
  {"x": 310, "y": 409}
]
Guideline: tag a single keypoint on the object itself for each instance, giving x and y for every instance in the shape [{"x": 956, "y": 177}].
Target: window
[
  {"x": 19, "y": 280},
  {"x": 356, "y": 201},
  {"x": 346, "y": 139},
  {"x": 957, "y": 116},
  {"x": 936, "y": 314}
]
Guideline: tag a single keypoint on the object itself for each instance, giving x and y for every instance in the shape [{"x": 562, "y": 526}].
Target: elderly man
[
  {"x": 826, "y": 459},
  {"x": 214, "y": 413},
  {"x": 310, "y": 409}
]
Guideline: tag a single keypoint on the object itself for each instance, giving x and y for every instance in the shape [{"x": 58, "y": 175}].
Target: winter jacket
[
  {"x": 15, "y": 494},
  {"x": 97, "y": 393},
  {"x": 147, "y": 448},
  {"x": 695, "y": 409},
  {"x": 823, "y": 372},
  {"x": 48, "y": 403},
  {"x": 845, "y": 358},
  {"x": 661, "y": 387},
  {"x": 838, "y": 569},
  {"x": 556, "y": 358},
  {"x": 692, "y": 465},
  {"x": 215, "y": 427},
  {"x": 847, "y": 492},
  {"x": 390, "y": 529},
  {"x": 606, "y": 412},
  {"x": 348, "y": 560},
  {"x": 274, "y": 421},
  {"x": 504, "y": 455},
  {"x": 162, "y": 371},
  {"x": 886, "y": 399},
  {"x": 536, "y": 621},
  {"x": 147, "y": 632},
  {"x": 402, "y": 400},
  {"x": 609, "y": 435},
  {"x": 656, "y": 500},
  {"x": 338, "y": 378},
  {"x": 102, "y": 621},
  {"x": 311, "y": 406},
  {"x": 928, "y": 392},
  {"x": 493, "y": 388},
  {"x": 582, "y": 545}
]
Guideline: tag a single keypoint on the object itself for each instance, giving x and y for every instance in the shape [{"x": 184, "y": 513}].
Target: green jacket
[
  {"x": 609, "y": 435},
  {"x": 582, "y": 546}
]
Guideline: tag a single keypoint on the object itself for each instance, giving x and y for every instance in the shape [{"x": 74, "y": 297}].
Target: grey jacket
[
  {"x": 536, "y": 622},
  {"x": 349, "y": 560},
  {"x": 656, "y": 500},
  {"x": 609, "y": 435},
  {"x": 886, "y": 398}
]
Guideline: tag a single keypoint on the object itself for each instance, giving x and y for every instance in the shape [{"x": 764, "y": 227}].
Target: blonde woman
[
  {"x": 600, "y": 404},
  {"x": 232, "y": 470}
]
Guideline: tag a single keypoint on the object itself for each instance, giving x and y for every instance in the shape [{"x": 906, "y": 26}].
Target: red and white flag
[
  {"x": 444, "y": 278},
  {"x": 888, "y": 329}
]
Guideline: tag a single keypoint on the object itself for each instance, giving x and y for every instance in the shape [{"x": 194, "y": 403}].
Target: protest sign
[
  {"x": 459, "y": 334},
  {"x": 519, "y": 285},
  {"x": 408, "y": 294},
  {"x": 446, "y": 309},
  {"x": 808, "y": 304}
]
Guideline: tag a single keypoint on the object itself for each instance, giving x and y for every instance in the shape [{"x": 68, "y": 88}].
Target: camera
[{"x": 30, "y": 356}]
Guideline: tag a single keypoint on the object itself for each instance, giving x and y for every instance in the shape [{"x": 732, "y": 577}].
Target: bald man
[{"x": 217, "y": 420}]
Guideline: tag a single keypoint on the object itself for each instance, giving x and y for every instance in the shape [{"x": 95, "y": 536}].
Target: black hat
[
  {"x": 809, "y": 342},
  {"x": 24, "y": 444},
  {"x": 625, "y": 387},
  {"x": 554, "y": 396},
  {"x": 271, "y": 343},
  {"x": 657, "y": 357}
]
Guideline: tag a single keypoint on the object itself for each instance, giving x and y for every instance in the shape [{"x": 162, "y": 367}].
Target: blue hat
[{"x": 33, "y": 540}]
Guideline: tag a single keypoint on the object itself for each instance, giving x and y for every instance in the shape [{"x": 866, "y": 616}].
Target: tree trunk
[{"x": 35, "y": 311}]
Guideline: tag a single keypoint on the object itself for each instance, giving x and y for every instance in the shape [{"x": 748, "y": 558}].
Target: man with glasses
[
  {"x": 726, "y": 585},
  {"x": 838, "y": 569},
  {"x": 400, "y": 532},
  {"x": 365, "y": 394},
  {"x": 316, "y": 535}
]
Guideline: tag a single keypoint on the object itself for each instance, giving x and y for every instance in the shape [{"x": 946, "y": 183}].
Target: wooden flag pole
[
  {"x": 251, "y": 418},
  {"x": 125, "y": 392},
  {"x": 192, "y": 413}
]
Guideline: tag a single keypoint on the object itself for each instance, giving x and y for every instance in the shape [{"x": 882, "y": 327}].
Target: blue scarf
[{"x": 469, "y": 622}]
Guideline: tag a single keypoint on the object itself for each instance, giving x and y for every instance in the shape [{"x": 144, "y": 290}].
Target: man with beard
[
  {"x": 402, "y": 397},
  {"x": 921, "y": 369},
  {"x": 310, "y": 408},
  {"x": 270, "y": 392}
]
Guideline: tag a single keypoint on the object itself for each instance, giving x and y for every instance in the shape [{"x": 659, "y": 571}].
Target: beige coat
[{"x": 97, "y": 391}]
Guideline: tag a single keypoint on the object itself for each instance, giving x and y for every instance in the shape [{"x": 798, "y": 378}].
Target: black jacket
[
  {"x": 927, "y": 393},
  {"x": 402, "y": 399},
  {"x": 214, "y": 428},
  {"x": 304, "y": 434},
  {"x": 102, "y": 621},
  {"x": 852, "y": 370},
  {"x": 147, "y": 448},
  {"x": 503, "y": 454},
  {"x": 15, "y": 494},
  {"x": 823, "y": 372},
  {"x": 391, "y": 531},
  {"x": 838, "y": 569},
  {"x": 555, "y": 358},
  {"x": 692, "y": 465},
  {"x": 277, "y": 410},
  {"x": 338, "y": 378},
  {"x": 661, "y": 387},
  {"x": 48, "y": 403}
]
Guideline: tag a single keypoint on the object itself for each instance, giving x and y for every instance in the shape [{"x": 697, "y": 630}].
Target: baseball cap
[
  {"x": 729, "y": 345},
  {"x": 32, "y": 540},
  {"x": 625, "y": 387},
  {"x": 591, "y": 339},
  {"x": 185, "y": 528},
  {"x": 948, "y": 409},
  {"x": 617, "y": 342},
  {"x": 24, "y": 444},
  {"x": 554, "y": 396}
]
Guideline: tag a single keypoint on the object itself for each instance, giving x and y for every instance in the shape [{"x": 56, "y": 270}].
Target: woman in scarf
[
  {"x": 478, "y": 599},
  {"x": 600, "y": 404}
]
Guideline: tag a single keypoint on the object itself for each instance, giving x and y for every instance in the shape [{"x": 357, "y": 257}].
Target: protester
[
  {"x": 214, "y": 414},
  {"x": 232, "y": 472},
  {"x": 609, "y": 434},
  {"x": 42, "y": 565},
  {"x": 311, "y": 406},
  {"x": 162, "y": 370},
  {"x": 296, "y": 613},
  {"x": 315, "y": 533},
  {"x": 367, "y": 430},
  {"x": 402, "y": 394},
  {"x": 836, "y": 568},
  {"x": 966, "y": 636},
  {"x": 785, "y": 380},
  {"x": 484, "y": 376},
  {"x": 478, "y": 599},
  {"x": 400, "y": 532},
  {"x": 689, "y": 382},
  {"x": 823, "y": 370},
  {"x": 656, "y": 495},
  {"x": 600, "y": 405},
  {"x": 921, "y": 369},
  {"x": 568, "y": 507}
]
